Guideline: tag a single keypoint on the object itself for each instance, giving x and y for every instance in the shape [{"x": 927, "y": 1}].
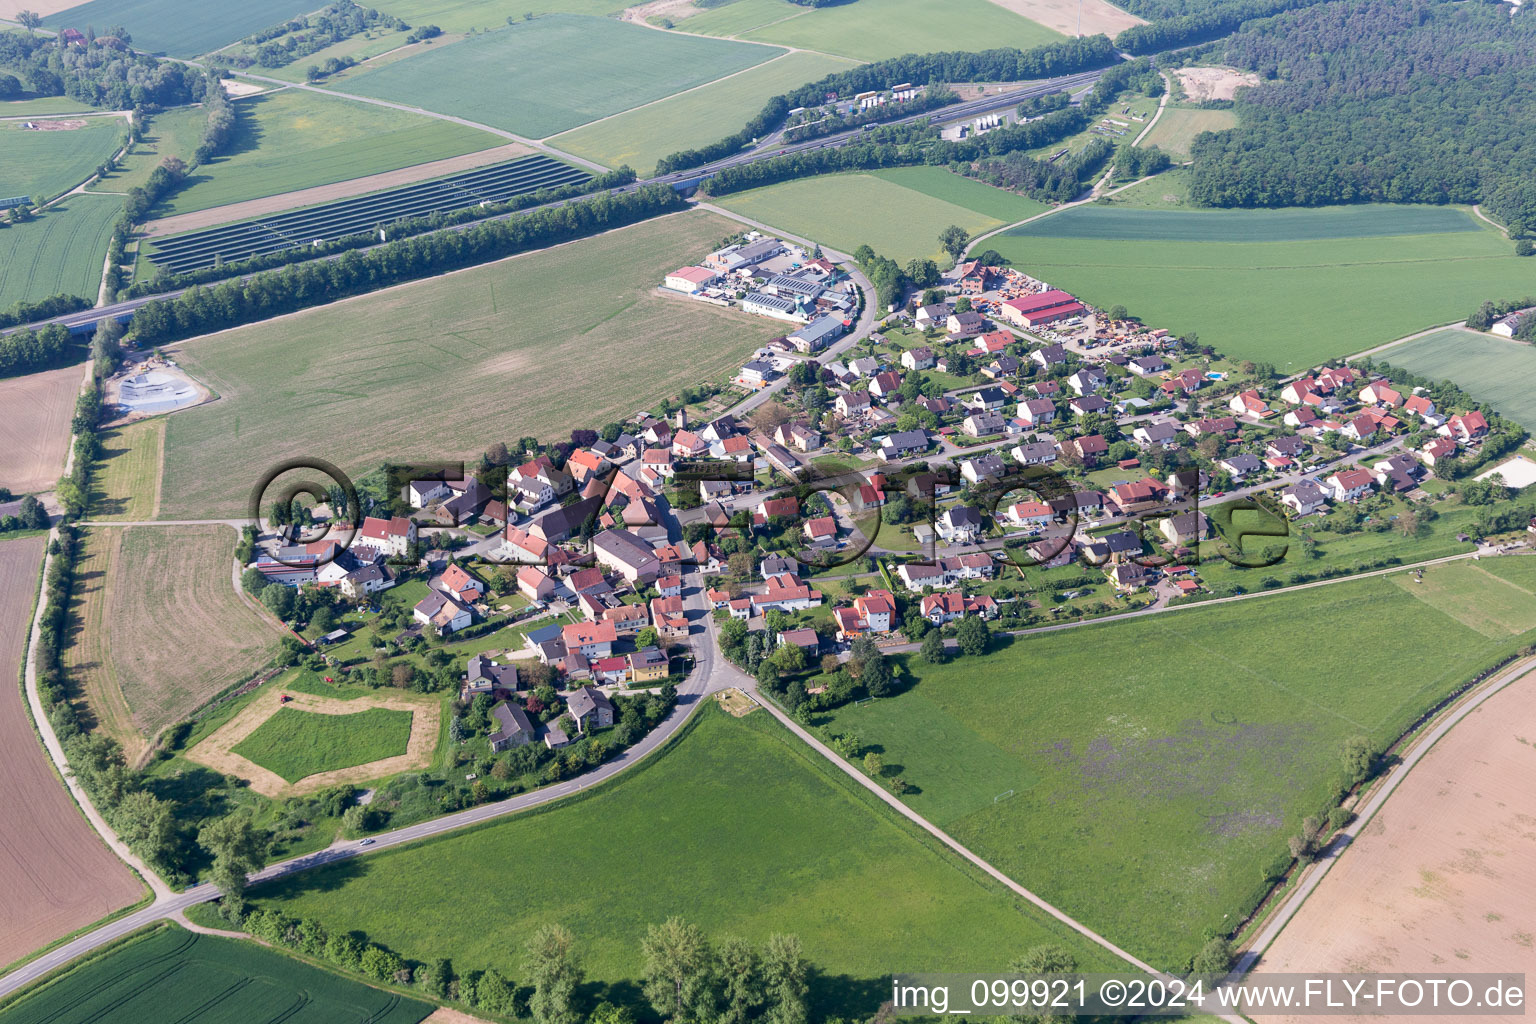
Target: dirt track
[
  {"x": 35, "y": 411},
  {"x": 1061, "y": 15},
  {"x": 217, "y": 750},
  {"x": 1444, "y": 878},
  {"x": 55, "y": 873},
  {"x": 326, "y": 193}
]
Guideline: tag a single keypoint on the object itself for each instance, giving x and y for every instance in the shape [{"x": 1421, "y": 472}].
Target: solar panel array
[{"x": 496, "y": 183}]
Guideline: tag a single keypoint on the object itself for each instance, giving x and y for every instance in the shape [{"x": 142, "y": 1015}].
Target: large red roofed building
[
  {"x": 390, "y": 537},
  {"x": 1045, "y": 308}
]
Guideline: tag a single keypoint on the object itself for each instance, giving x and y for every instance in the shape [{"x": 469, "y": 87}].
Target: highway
[{"x": 768, "y": 150}]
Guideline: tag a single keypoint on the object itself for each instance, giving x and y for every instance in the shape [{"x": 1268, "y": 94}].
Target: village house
[
  {"x": 367, "y": 579},
  {"x": 885, "y": 384},
  {"x": 1034, "y": 453},
  {"x": 1419, "y": 405},
  {"x": 1147, "y": 366},
  {"x": 904, "y": 443},
  {"x": 1089, "y": 449},
  {"x": 851, "y": 404},
  {"x": 442, "y": 611},
  {"x": 1437, "y": 449},
  {"x": 786, "y": 595},
  {"x": 592, "y": 639},
  {"x": 1304, "y": 498},
  {"x": 982, "y": 468},
  {"x": 920, "y": 358},
  {"x": 805, "y": 638},
  {"x": 821, "y": 532},
  {"x": 1030, "y": 515},
  {"x": 1162, "y": 434},
  {"x": 647, "y": 665},
  {"x": 817, "y": 334},
  {"x": 1350, "y": 484},
  {"x": 1089, "y": 405},
  {"x": 1398, "y": 473},
  {"x": 457, "y": 581},
  {"x": 1467, "y": 427},
  {"x": 626, "y": 554},
  {"x": 1240, "y": 465},
  {"x": 1138, "y": 496},
  {"x": 798, "y": 436},
  {"x": 1211, "y": 425},
  {"x": 959, "y": 524},
  {"x": 941, "y": 608},
  {"x": 983, "y": 424},
  {"x": 1185, "y": 527},
  {"x": 1087, "y": 380},
  {"x": 1379, "y": 392},
  {"x": 590, "y": 708},
  {"x": 513, "y": 727},
  {"x": 385, "y": 538},
  {"x": 486, "y": 675},
  {"x": 1049, "y": 356},
  {"x": 932, "y": 315},
  {"x": 965, "y": 325},
  {"x": 1037, "y": 412}
]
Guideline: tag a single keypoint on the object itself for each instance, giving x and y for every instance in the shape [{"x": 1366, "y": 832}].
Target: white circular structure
[{"x": 154, "y": 391}]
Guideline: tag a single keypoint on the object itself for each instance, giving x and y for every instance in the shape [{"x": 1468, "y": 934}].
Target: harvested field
[
  {"x": 1445, "y": 874},
  {"x": 253, "y": 724},
  {"x": 326, "y": 193},
  {"x": 1214, "y": 83},
  {"x": 127, "y": 482},
  {"x": 398, "y": 357},
  {"x": 56, "y": 873},
  {"x": 1071, "y": 18},
  {"x": 35, "y": 411},
  {"x": 162, "y": 629}
]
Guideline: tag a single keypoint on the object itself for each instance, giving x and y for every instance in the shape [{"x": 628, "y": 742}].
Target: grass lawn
[
  {"x": 1290, "y": 287},
  {"x": 1491, "y": 369},
  {"x": 180, "y": 28},
  {"x": 126, "y": 485},
  {"x": 643, "y": 136},
  {"x": 1178, "y": 126},
  {"x": 396, "y": 359},
  {"x": 1173, "y": 755},
  {"x": 293, "y": 139},
  {"x": 737, "y": 828},
  {"x": 555, "y": 72},
  {"x": 175, "y": 132},
  {"x": 873, "y": 29},
  {"x": 60, "y": 250},
  {"x": 298, "y": 744},
  {"x": 168, "y": 973},
  {"x": 915, "y": 203},
  {"x": 1167, "y": 191},
  {"x": 34, "y": 163},
  {"x": 44, "y": 105}
]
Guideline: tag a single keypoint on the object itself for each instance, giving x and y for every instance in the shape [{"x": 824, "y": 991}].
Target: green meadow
[
  {"x": 555, "y": 72},
  {"x": 1495, "y": 370},
  {"x": 34, "y": 163},
  {"x": 1290, "y": 287},
  {"x": 297, "y": 744},
  {"x": 1140, "y": 775},
  {"x": 737, "y": 827},
  {"x": 915, "y": 204}
]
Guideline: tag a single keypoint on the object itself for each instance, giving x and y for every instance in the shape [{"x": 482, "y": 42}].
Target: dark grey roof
[
  {"x": 963, "y": 515},
  {"x": 512, "y": 720},
  {"x": 1122, "y": 541},
  {"x": 586, "y": 700},
  {"x": 568, "y": 519}
]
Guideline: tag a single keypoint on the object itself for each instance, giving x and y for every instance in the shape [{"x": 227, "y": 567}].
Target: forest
[
  {"x": 1404, "y": 101},
  {"x": 100, "y": 74}
]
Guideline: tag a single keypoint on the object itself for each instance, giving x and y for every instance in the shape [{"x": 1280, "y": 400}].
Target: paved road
[{"x": 125, "y": 308}]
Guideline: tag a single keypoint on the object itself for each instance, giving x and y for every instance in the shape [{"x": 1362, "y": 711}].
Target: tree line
[
  {"x": 27, "y": 351},
  {"x": 1057, "y": 182},
  {"x": 1190, "y": 26},
  {"x": 201, "y": 310},
  {"x": 1398, "y": 101},
  {"x": 999, "y": 65}
]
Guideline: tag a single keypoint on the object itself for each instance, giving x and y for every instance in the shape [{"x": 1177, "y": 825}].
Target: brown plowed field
[
  {"x": 1444, "y": 877},
  {"x": 56, "y": 875},
  {"x": 35, "y": 411}
]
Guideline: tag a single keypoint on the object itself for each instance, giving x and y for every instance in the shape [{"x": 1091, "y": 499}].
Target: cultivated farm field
[
  {"x": 57, "y": 875},
  {"x": 47, "y": 163},
  {"x": 916, "y": 203},
  {"x": 1444, "y": 872},
  {"x": 1491, "y": 369},
  {"x": 642, "y": 136},
  {"x": 443, "y": 368},
  {"x": 162, "y": 629},
  {"x": 1290, "y": 287},
  {"x": 172, "y": 974},
  {"x": 62, "y": 249},
  {"x": 180, "y": 28},
  {"x": 485, "y": 15},
  {"x": 544, "y": 76},
  {"x": 736, "y": 827},
  {"x": 293, "y": 139},
  {"x": 126, "y": 484},
  {"x": 1173, "y": 754},
  {"x": 35, "y": 413},
  {"x": 873, "y": 29}
]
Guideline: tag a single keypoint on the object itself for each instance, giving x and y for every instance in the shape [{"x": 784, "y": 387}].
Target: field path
[
  {"x": 1162, "y": 105},
  {"x": 1411, "y": 337},
  {"x": 217, "y": 750}
]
